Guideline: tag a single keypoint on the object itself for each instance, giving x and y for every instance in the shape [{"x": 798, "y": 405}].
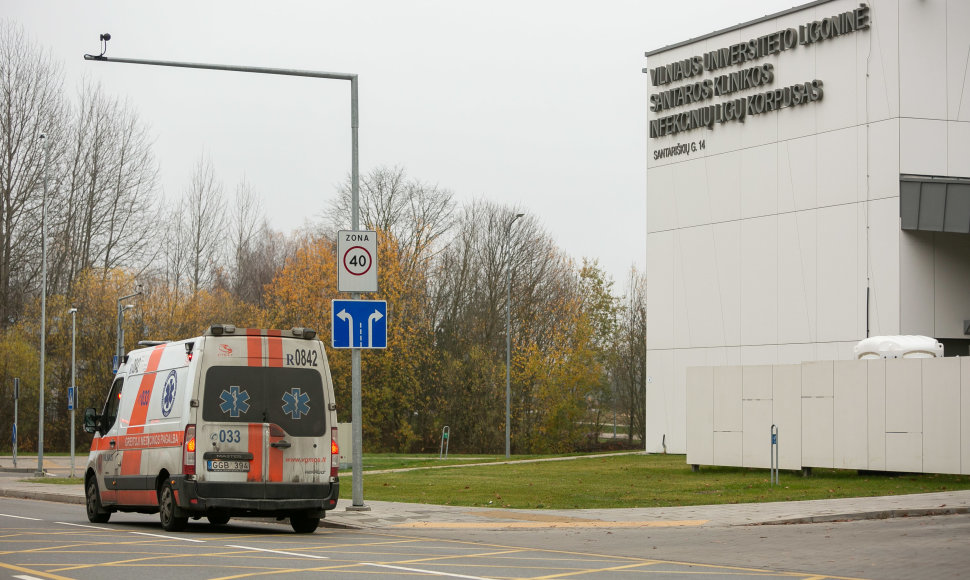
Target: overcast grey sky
[{"x": 536, "y": 104}]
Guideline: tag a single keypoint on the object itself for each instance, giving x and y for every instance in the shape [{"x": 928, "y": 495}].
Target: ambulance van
[{"x": 238, "y": 422}]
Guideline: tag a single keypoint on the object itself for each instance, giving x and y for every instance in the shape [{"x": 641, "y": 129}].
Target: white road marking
[
  {"x": 20, "y": 517},
  {"x": 280, "y": 552},
  {"x": 85, "y": 526},
  {"x": 168, "y": 537},
  {"x": 26, "y": 577},
  {"x": 420, "y": 571}
]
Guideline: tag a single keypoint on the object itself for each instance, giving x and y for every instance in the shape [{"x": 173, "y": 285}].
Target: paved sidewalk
[{"x": 384, "y": 514}]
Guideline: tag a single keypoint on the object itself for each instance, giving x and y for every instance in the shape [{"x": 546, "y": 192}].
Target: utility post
[
  {"x": 508, "y": 337},
  {"x": 120, "y": 346},
  {"x": 72, "y": 392},
  {"x": 43, "y": 312}
]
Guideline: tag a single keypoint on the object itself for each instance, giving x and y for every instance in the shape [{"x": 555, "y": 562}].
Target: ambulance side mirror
[{"x": 91, "y": 420}]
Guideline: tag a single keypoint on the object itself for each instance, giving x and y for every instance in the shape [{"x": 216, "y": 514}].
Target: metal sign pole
[
  {"x": 774, "y": 455},
  {"x": 357, "y": 483},
  {"x": 43, "y": 316},
  {"x": 16, "y": 401},
  {"x": 72, "y": 392}
]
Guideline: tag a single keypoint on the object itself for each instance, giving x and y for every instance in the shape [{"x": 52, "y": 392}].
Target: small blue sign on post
[
  {"x": 70, "y": 398},
  {"x": 359, "y": 324}
]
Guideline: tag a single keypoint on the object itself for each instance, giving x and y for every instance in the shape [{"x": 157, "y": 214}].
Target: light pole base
[
  {"x": 358, "y": 508},
  {"x": 40, "y": 474}
]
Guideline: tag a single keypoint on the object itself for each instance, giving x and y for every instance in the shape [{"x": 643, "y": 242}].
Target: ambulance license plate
[{"x": 214, "y": 465}]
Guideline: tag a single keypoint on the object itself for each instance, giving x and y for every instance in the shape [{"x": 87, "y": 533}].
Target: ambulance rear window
[{"x": 289, "y": 397}]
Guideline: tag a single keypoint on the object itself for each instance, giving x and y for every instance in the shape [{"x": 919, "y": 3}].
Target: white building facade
[{"x": 808, "y": 185}]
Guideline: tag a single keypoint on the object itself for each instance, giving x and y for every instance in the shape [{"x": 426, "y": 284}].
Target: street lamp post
[
  {"x": 73, "y": 390},
  {"x": 43, "y": 312},
  {"x": 357, "y": 489},
  {"x": 120, "y": 347},
  {"x": 508, "y": 338}
]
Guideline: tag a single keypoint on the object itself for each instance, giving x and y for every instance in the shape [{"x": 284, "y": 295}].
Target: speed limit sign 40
[{"x": 356, "y": 261}]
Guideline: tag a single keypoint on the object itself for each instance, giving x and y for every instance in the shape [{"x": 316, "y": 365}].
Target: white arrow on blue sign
[{"x": 359, "y": 323}]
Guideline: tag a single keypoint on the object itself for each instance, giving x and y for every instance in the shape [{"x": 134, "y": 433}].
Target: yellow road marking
[
  {"x": 549, "y": 524},
  {"x": 32, "y": 572},
  {"x": 598, "y": 570},
  {"x": 511, "y": 515}
]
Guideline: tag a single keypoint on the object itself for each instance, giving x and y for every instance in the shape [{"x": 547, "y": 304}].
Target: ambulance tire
[
  {"x": 167, "y": 510},
  {"x": 218, "y": 519},
  {"x": 304, "y": 524},
  {"x": 96, "y": 513}
]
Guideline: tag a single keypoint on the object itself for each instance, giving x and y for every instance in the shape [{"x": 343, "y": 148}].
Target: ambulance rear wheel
[
  {"x": 303, "y": 524},
  {"x": 218, "y": 519},
  {"x": 96, "y": 513},
  {"x": 167, "y": 510}
]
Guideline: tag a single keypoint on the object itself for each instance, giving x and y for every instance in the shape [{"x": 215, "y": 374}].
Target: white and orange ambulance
[{"x": 235, "y": 422}]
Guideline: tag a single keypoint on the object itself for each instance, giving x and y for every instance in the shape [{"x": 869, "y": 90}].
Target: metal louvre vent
[{"x": 934, "y": 204}]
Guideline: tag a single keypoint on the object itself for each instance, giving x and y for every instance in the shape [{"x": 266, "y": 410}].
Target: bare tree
[
  {"x": 416, "y": 214},
  {"x": 203, "y": 216},
  {"x": 631, "y": 357},
  {"x": 109, "y": 188},
  {"x": 30, "y": 105}
]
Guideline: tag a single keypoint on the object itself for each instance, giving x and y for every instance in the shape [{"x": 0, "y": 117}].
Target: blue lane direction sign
[
  {"x": 359, "y": 323},
  {"x": 70, "y": 398}
]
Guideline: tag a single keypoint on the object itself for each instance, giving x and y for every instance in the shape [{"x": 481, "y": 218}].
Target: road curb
[
  {"x": 873, "y": 515},
  {"x": 42, "y": 496}
]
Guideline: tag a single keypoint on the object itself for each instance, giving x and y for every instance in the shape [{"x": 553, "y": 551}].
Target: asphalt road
[{"x": 52, "y": 540}]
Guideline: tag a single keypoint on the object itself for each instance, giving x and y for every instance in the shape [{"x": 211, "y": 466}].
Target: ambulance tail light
[
  {"x": 188, "y": 451},
  {"x": 334, "y": 452}
]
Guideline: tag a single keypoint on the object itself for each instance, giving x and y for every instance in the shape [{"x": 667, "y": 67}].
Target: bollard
[
  {"x": 443, "y": 453},
  {"x": 774, "y": 455}
]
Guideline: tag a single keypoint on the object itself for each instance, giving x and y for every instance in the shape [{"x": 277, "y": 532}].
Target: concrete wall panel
[
  {"x": 904, "y": 452},
  {"x": 922, "y": 56},
  {"x": 727, "y": 399},
  {"x": 786, "y": 412},
  {"x": 904, "y": 400},
  {"x": 700, "y": 415},
  {"x": 759, "y": 281},
  {"x": 727, "y": 448},
  {"x": 818, "y": 379},
  {"x": 756, "y": 382},
  {"x": 876, "y": 384},
  {"x": 660, "y": 385},
  {"x": 941, "y": 415},
  {"x": 851, "y": 421},
  {"x": 838, "y": 162},
  {"x": 756, "y": 442},
  {"x": 817, "y": 431},
  {"x": 965, "y": 416}
]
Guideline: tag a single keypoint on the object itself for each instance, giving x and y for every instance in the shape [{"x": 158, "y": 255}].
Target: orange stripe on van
[
  {"x": 275, "y": 454},
  {"x": 137, "y": 497},
  {"x": 131, "y": 462},
  {"x": 139, "y": 411},
  {"x": 254, "y": 347},
  {"x": 256, "y": 448},
  {"x": 275, "y": 343}
]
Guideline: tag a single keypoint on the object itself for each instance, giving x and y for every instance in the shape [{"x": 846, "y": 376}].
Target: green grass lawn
[
  {"x": 609, "y": 481},
  {"x": 628, "y": 481}
]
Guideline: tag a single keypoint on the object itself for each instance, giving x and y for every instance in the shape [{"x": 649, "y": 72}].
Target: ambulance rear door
[{"x": 264, "y": 420}]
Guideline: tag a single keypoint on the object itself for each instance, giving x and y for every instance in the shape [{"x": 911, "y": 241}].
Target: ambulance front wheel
[
  {"x": 304, "y": 524},
  {"x": 168, "y": 512},
  {"x": 96, "y": 513}
]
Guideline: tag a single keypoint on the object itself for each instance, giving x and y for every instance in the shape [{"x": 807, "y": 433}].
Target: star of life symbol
[
  {"x": 295, "y": 403},
  {"x": 234, "y": 402},
  {"x": 168, "y": 393}
]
